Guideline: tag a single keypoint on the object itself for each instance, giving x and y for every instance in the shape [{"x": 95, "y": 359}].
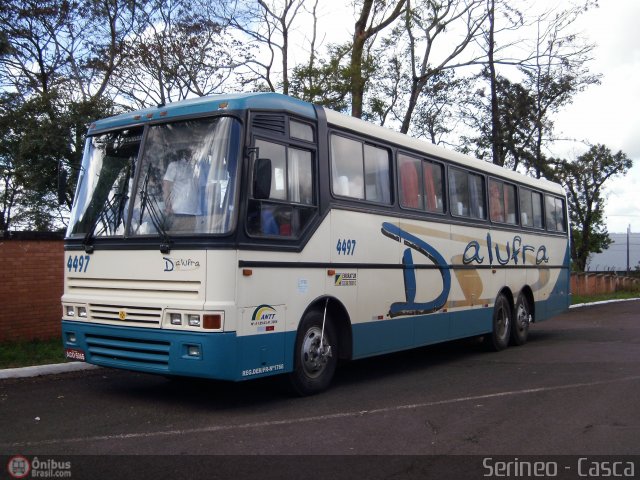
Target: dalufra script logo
[{"x": 180, "y": 264}]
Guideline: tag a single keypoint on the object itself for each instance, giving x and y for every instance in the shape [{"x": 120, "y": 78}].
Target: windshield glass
[
  {"x": 104, "y": 186},
  {"x": 185, "y": 185}
]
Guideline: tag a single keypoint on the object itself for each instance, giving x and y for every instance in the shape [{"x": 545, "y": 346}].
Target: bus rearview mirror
[{"x": 262, "y": 179}]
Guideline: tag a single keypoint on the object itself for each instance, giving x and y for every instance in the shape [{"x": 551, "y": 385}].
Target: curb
[
  {"x": 39, "y": 370},
  {"x": 603, "y": 302}
]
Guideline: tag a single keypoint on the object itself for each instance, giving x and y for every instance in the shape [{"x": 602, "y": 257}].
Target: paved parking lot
[{"x": 573, "y": 389}]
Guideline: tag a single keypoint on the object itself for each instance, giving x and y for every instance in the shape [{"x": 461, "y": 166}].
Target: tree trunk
[
  {"x": 496, "y": 128},
  {"x": 357, "y": 80}
]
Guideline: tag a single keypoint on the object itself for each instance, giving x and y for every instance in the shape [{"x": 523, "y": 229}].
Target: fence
[{"x": 600, "y": 283}]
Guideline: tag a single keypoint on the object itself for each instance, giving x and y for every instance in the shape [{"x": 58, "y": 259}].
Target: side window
[
  {"x": 376, "y": 174},
  {"x": 420, "y": 184},
  {"x": 467, "y": 194},
  {"x": 433, "y": 186},
  {"x": 278, "y": 156},
  {"x": 300, "y": 176},
  {"x": 302, "y": 131},
  {"x": 502, "y": 202},
  {"x": 359, "y": 170},
  {"x": 347, "y": 167},
  {"x": 536, "y": 201},
  {"x": 555, "y": 214},
  {"x": 290, "y": 204},
  {"x": 530, "y": 208}
]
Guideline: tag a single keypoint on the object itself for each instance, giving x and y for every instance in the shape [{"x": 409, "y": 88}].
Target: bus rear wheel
[
  {"x": 520, "y": 328},
  {"x": 316, "y": 355},
  {"x": 498, "y": 339}
]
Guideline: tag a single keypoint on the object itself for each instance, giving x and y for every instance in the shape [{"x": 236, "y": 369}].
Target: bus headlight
[
  {"x": 82, "y": 312},
  {"x": 175, "y": 318},
  {"x": 69, "y": 311},
  {"x": 194, "y": 320}
]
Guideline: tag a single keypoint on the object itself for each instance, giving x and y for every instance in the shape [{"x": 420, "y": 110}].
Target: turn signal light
[{"x": 212, "y": 322}]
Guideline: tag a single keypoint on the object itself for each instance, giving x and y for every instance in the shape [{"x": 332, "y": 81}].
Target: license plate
[{"x": 74, "y": 354}]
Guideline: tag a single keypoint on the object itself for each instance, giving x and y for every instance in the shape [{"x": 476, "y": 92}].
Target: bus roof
[
  {"x": 279, "y": 102},
  {"x": 204, "y": 105},
  {"x": 415, "y": 144}
]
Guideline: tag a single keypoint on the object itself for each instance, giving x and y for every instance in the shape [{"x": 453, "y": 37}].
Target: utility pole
[{"x": 628, "y": 236}]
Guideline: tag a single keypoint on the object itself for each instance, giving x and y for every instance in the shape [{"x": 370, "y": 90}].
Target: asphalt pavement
[{"x": 573, "y": 389}]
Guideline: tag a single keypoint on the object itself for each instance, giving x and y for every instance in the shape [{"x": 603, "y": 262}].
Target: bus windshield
[{"x": 182, "y": 182}]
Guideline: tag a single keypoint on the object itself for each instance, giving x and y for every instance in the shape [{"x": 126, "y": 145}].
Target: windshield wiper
[
  {"x": 116, "y": 207},
  {"x": 155, "y": 215}
]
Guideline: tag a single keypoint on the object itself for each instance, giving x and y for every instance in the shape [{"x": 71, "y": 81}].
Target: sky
[{"x": 607, "y": 114}]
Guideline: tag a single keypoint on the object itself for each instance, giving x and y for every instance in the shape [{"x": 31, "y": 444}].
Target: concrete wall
[{"x": 31, "y": 280}]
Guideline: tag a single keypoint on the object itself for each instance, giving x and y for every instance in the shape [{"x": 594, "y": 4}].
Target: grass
[
  {"x": 44, "y": 352},
  {"x": 28, "y": 353},
  {"x": 576, "y": 299}
]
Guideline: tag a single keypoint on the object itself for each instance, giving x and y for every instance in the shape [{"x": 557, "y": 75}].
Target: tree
[
  {"x": 554, "y": 76},
  {"x": 185, "y": 52},
  {"x": 436, "y": 113},
  {"x": 511, "y": 143},
  {"x": 268, "y": 25},
  {"x": 585, "y": 179},
  {"x": 30, "y": 147},
  {"x": 550, "y": 72},
  {"x": 367, "y": 26},
  {"x": 424, "y": 25},
  {"x": 57, "y": 61}
]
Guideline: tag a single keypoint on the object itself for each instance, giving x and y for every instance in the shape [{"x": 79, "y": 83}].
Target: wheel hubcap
[
  {"x": 522, "y": 317},
  {"x": 502, "y": 323},
  {"x": 314, "y": 355}
]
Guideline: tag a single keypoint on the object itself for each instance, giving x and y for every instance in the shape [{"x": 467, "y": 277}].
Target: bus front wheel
[
  {"x": 316, "y": 355},
  {"x": 498, "y": 339}
]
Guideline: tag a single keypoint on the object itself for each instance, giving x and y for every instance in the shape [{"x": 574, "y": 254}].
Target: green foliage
[
  {"x": 64, "y": 63},
  {"x": 36, "y": 136},
  {"x": 623, "y": 295},
  {"x": 516, "y": 107},
  {"x": 584, "y": 180}
]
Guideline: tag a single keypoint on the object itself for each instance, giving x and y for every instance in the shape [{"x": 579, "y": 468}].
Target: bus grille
[
  {"x": 152, "y": 289},
  {"x": 126, "y": 315},
  {"x": 128, "y": 353}
]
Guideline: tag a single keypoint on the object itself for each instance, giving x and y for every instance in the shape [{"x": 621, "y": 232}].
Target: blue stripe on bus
[
  {"x": 224, "y": 355},
  {"x": 374, "y": 338},
  {"x": 203, "y": 105}
]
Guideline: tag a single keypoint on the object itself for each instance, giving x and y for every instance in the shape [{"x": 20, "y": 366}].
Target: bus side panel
[
  {"x": 373, "y": 338},
  {"x": 550, "y": 285},
  {"x": 368, "y": 290}
]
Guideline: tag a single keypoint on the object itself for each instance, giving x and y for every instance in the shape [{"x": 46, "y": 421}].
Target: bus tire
[
  {"x": 500, "y": 334},
  {"x": 521, "y": 321},
  {"x": 313, "y": 366}
]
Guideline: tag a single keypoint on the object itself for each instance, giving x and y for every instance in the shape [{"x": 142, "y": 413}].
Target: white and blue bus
[{"x": 239, "y": 236}]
